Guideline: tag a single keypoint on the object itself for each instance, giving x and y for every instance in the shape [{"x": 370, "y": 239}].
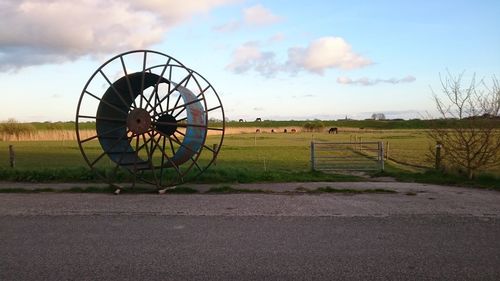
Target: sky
[{"x": 275, "y": 59}]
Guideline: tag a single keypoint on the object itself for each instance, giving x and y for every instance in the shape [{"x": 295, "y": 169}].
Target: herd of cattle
[{"x": 332, "y": 130}]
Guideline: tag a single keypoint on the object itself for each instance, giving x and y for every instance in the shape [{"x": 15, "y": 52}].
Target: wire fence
[{"x": 348, "y": 156}]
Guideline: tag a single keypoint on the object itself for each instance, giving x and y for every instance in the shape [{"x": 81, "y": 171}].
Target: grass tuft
[
  {"x": 182, "y": 190},
  {"x": 229, "y": 189},
  {"x": 344, "y": 190}
]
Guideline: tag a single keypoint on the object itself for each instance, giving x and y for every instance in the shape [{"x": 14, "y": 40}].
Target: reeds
[{"x": 46, "y": 135}]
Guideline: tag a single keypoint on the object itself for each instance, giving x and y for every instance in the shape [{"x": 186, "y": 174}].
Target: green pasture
[
  {"x": 263, "y": 151},
  {"x": 243, "y": 157}
]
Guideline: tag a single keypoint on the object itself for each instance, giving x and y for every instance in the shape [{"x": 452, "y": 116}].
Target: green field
[
  {"x": 243, "y": 157},
  {"x": 253, "y": 151}
]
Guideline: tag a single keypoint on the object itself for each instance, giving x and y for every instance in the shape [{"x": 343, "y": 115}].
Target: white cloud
[
  {"x": 365, "y": 81},
  {"x": 249, "y": 56},
  {"x": 37, "y": 32},
  {"x": 258, "y": 15},
  {"x": 254, "y": 16},
  {"x": 324, "y": 53},
  {"x": 321, "y": 54}
]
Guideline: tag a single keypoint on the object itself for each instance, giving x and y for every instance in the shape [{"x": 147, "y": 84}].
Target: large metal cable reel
[{"x": 145, "y": 113}]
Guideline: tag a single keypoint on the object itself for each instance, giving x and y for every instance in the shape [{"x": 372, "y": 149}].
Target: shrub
[
  {"x": 12, "y": 127},
  {"x": 314, "y": 126}
]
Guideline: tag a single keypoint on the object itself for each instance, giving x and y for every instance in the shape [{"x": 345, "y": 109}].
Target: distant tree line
[{"x": 314, "y": 126}]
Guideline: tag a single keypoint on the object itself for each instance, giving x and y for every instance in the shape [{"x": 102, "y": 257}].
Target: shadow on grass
[{"x": 436, "y": 177}]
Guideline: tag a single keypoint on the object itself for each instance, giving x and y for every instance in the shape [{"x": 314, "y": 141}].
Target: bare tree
[
  {"x": 378, "y": 116},
  {"x": 471, "y": 140}
]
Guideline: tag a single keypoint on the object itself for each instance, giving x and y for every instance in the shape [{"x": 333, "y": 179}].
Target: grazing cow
[
  {"x": 333, "y": 131},
  {"x": 257, "y": 131},
  {"x": 284, "y": 131},
  {"x": 294, "y": 131}
]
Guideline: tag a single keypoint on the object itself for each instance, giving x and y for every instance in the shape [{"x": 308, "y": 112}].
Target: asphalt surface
[{"x": 422, "y": 232}]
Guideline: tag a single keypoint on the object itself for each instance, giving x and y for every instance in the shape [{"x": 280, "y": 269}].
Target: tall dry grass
[
  {"x": 65, "y": 134},
  {"x": 62, "y": 135},
  {"x": 47, "y": 135}
]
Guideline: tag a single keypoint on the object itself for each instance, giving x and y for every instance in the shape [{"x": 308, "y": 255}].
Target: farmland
[{"x": 245, "y": 155}]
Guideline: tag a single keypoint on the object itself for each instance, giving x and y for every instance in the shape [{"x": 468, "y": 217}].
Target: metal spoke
[
  {"x": 184, "y": 108},
  {"x": 115, "y": 169},
  {"x": 102, "y": 118},
  {"x": 142, "y": 78},
  {"x": 169, "y": 85},
  {"x": 105, "y": 102},
  {"x": 155, "y": 88},
  {"x": 101, "y": 135},
  {"x": 150, "y": 156},
  {"x": 186, "y": 104},
  {"x": 171, "y": 161},
  {"x": 191, "y": 158},
  {"x": 176, "y": 86},
  {"x": 131, "y": 93},
  {"x": 182, "y": 125},
  {"x": 181, "y": 144},
  {"x": 106, "y": 152},
  {"x": 162, "y": 159},
  {"x": 213, "y": 108},
  {"x": 114, "y": 89}
]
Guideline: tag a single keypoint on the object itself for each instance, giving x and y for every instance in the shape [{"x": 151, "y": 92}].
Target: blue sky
[{"x": 269, "y": 59}]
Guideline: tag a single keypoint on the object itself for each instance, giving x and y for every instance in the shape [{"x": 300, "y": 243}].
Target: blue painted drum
[
  {"x": 195, "y": 134},
  {"x": 113, "y": 120}
]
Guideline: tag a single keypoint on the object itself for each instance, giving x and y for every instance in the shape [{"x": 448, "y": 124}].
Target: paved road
[{"x": 252, "y": 236}]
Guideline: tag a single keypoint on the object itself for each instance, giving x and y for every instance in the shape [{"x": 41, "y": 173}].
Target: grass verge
[{"x": 435, "y": 177}]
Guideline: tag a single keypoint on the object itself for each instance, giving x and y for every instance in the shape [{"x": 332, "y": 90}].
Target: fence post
[
  {"x": 215, "y": 147},
  {"x": 387, "y": 150},
  {"x": 312, "y": 156},
  {"x": 381, "y": 152},
  {"x": 12, "y": 156},
  {"x": 438, "y": 155}
]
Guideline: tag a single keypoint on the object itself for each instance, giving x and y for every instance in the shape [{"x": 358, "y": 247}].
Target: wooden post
[
  {"x": 12, "y": 156},
  {"x": 438, "y": 155},
  {"x": 381, "y": 152},
  {"x": 215, "y": 147},
  {"x": 312, "y": 156},
  {"x": 387, "y": 150}
]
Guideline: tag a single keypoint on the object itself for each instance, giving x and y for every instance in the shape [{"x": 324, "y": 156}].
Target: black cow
[{"x": 333, "y": 130}]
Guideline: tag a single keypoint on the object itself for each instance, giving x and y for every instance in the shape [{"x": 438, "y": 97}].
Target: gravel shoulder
[{"x": 287, "y": 199}]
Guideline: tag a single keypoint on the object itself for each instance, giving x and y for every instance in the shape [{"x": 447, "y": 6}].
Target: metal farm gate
[{"x": 347, "y": 156}]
